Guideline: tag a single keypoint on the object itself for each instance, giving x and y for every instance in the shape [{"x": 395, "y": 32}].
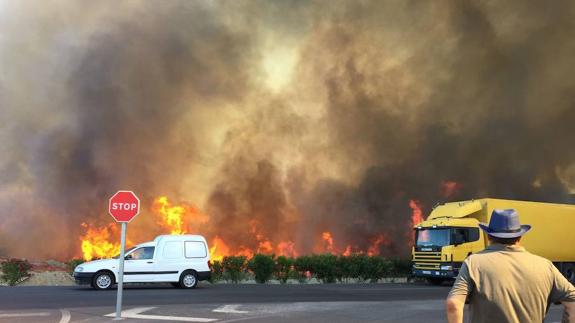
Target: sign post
[{"x": 123, "y": 207}]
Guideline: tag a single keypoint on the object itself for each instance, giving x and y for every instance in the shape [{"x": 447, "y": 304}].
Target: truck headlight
[
  {"x": 79, "y": 269},
  {"x": 446, "y": 267}
]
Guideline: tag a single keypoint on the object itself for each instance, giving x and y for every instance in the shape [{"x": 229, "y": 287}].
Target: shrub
[
  {"x": 324, "y": 267},
  {"x": 234, "y": 267},
  {"x": 303, "y": 268},
  {"x": 217, "y": 271},
  {"x": 283, "y": 268},
  {"x": 375, "y": 268},
  {"x": 262, "y": 266},
  {"x": 14, "y": 270},
  {"x": 400, "y": 267},
  {"x": 72, "y": 264},
  {"x": 351, "y": 266}
]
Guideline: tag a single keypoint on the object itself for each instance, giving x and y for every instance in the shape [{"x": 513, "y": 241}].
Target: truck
[
  {"x": 181, "y": 260},
  {"x": 451, "y": 233}
]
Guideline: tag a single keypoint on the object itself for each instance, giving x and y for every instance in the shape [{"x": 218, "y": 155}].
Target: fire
[
  {"x": 376, "y": 243},
  {"x": 219, "y": 249},
  {"x": 286, "y": 248},
  {"x": 101, "y": 242},
  {"x": 417, "y": 214},
  {"x": 328, "y": 241},
  {"x": 176, "y": 217},
  {"x": 96, "y": 242},
  {"x": 449, "y": 188}
]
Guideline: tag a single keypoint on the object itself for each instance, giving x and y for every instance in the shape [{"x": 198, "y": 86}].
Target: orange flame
[
  {"x": 219, "y": 249},
  {"x": 328, "y": 241},
  {"x": 449, "y": 188},
  {"x": 175, "y": 218},
  {"x": 376, "y": 243},
  {"x": 416, "y": 214},
  {"x": 96, "y": 242},
  {"x": 286, "y": 248}
]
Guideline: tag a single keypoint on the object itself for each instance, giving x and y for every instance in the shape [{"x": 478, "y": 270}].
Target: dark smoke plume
[{"x": 292, "y": 117}]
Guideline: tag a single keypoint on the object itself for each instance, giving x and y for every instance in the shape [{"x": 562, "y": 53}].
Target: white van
[{"x": 182, "y": 260}]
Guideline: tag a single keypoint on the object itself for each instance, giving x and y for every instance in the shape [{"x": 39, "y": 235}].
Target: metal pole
[{"x": 121, "y": 273}]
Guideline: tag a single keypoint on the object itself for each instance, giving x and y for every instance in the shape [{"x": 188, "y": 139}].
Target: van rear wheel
[{"x": 189, "y": 279}]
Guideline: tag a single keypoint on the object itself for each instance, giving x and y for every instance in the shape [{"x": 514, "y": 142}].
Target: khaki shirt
[{"x": 509, "y": 284}]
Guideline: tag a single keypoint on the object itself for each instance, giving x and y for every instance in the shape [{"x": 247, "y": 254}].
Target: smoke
[{"x": 283, "y": 118}]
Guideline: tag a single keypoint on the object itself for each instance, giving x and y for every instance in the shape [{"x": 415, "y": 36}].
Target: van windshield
[
  {"x": 432, "y": 237},
  {"x": 126, "y": 252}
]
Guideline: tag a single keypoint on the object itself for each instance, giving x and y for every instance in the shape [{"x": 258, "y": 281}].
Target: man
[{"x": 505, "y": 283}]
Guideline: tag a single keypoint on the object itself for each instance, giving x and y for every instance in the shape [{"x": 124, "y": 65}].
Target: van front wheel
[
  {"x": 103, "y": 280},
  {"x": 188, "y": 279}
]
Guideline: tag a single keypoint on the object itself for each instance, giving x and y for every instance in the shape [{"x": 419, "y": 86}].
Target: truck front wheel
[{"x": 435, "y": 281}]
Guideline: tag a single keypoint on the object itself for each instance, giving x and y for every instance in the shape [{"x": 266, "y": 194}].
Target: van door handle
[{"x": 150, "y": 262}]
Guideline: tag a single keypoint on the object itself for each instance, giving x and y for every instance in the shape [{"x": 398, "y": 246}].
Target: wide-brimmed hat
[{"x": 505, "y": 224}]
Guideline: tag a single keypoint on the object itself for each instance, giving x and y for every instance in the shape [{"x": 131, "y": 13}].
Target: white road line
[
  {"x": 135, "y": 314},
  {"x": 229, "y": 309},
  {"x": 65, "y": 316},
  {"x": 3, "y": 316}
]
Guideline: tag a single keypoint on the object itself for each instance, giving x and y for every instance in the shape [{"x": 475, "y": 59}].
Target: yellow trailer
[{"x": 451, "y": 233}]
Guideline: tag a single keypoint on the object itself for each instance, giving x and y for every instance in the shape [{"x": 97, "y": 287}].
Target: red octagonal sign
[{"x": 124, "y": 206}]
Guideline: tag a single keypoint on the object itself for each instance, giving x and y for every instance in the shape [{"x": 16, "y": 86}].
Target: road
[{"x": 331, "y": 303}]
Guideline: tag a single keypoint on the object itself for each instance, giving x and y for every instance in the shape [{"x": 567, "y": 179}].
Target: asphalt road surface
[{"x": 331, "y": 303}]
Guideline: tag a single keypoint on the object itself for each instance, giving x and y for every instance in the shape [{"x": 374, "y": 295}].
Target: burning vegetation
[
  {"x": 102, "y": 242},
  {"x": 293, "y": 127}
]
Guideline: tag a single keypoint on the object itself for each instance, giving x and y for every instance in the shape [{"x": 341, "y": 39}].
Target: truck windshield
[{"x": 432, "y": 237}]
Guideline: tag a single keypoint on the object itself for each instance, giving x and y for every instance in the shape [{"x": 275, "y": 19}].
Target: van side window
[
  {"x": 195, "y": 249},
  {"x": 173, "y": 250},
  {"x": 143, "y": 253}
]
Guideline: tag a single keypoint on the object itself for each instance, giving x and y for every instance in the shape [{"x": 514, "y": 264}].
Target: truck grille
[{"x": 426, "y": 260}]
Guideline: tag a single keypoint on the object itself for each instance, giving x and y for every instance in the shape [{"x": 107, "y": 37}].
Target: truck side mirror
[{"x": 128, "y": 257}]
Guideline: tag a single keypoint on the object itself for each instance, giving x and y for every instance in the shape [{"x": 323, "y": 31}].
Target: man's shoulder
[{"x": 488, "y": 253}]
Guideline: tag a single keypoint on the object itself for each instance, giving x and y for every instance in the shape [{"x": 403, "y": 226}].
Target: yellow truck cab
[{"x": 451, "y": 233}]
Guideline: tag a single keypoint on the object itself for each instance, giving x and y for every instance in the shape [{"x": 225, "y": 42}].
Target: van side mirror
[{"x": 128, "y": 257}]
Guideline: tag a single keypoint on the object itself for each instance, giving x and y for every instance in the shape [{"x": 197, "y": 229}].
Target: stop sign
[{"x": 124, "y": 206}]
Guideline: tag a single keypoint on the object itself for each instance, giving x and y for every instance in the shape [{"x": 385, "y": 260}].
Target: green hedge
[
  {"x": 15, "y": 270},
  {"x": 234, "y": 268},
  {"x": 72, "y": 264},
  {"x": 283, "y": 269},
  {"x": 327, "y": 268},
  {"x": 262, "y": 266}
]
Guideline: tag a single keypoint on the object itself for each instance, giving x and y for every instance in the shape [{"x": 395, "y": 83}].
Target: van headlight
[
  {"x": 79, "y": 269},
  {"x": 446, "y": 267}
]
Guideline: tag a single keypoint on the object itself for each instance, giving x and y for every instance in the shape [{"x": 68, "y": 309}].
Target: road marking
[
  {"x": 2, "y": 316},
  {"x": 135, "y": 314},
  {"x": 65, "y": 316},
  {"x": 229, "y": 309}
]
